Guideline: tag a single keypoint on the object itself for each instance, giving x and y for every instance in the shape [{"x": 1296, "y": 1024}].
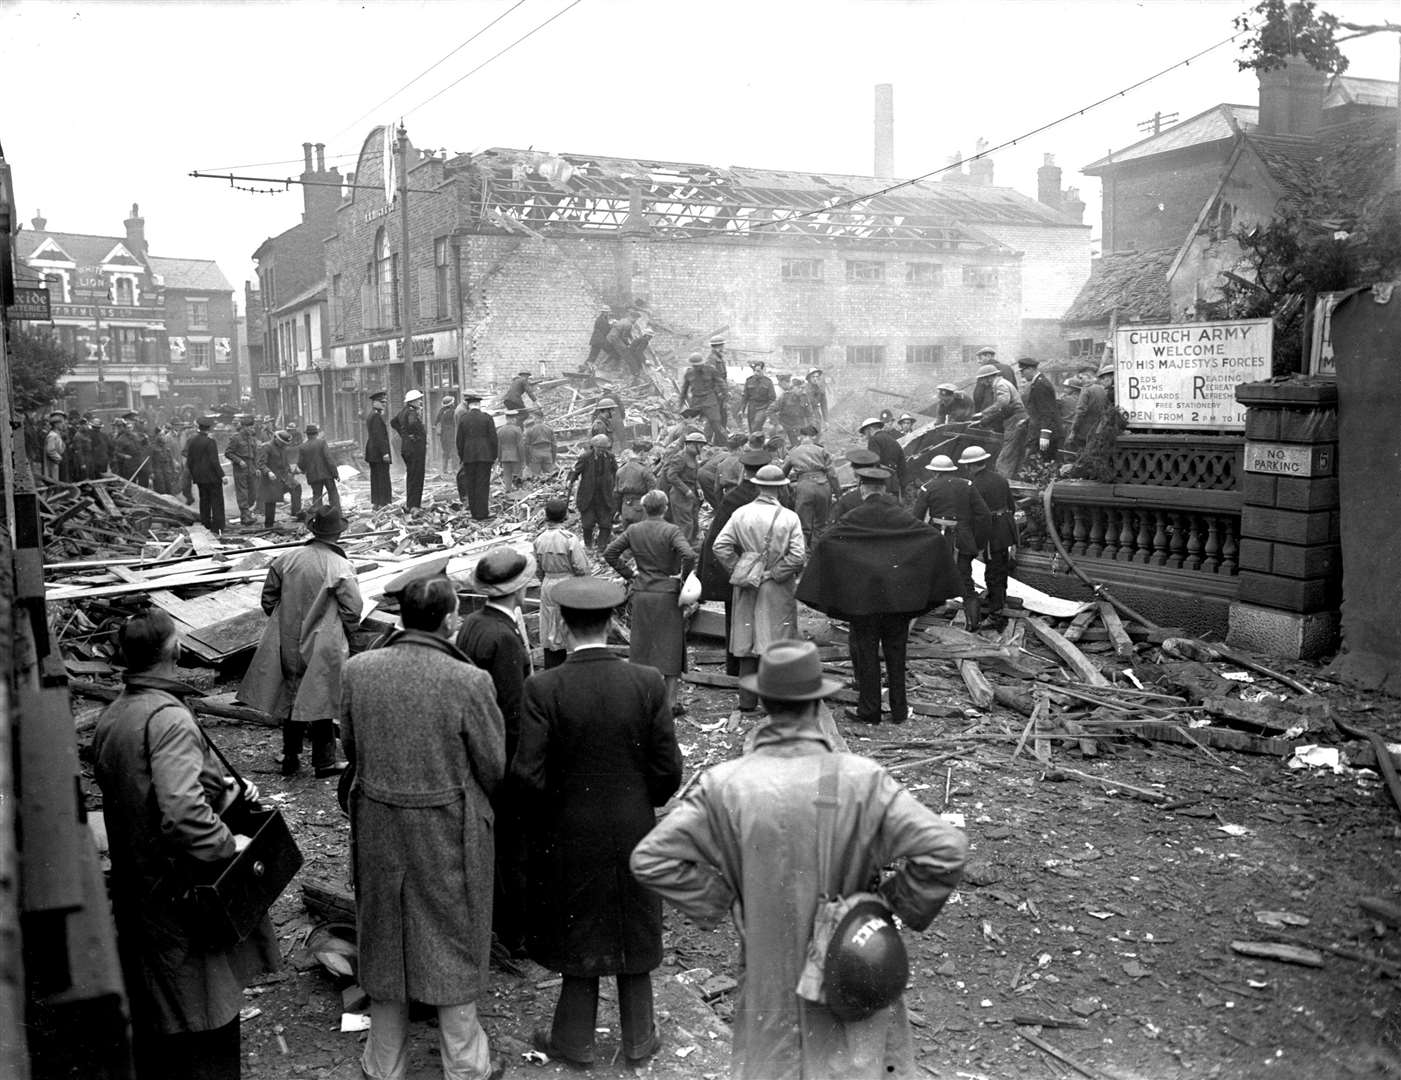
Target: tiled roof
[
  {"x": 1344, "y": 166},
  {"x": 1134, "y": 283},
  {"x": 1217, "y": 123},
  {"x": 316, "y": 291},
  {"x": 1349, "y": 89},
  {"x": 199, "y": 274},
  {"x": 84, "y": 249}
]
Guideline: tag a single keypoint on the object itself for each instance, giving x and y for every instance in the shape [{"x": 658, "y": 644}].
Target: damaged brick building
[{"x": 512, "y": 253}]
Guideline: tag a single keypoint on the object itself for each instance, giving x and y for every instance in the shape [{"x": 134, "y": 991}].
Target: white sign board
[{"x": 1184, "y": 375}]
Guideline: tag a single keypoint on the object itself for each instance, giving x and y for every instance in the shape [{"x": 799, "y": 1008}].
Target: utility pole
[{"x": 406, "y": 324}]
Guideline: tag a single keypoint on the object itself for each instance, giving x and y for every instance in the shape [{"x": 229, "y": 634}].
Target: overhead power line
[
  {"x": 529, "y": 33},
  {"x": 373, "y": 108},
  {"x": 281, "y": 161}
]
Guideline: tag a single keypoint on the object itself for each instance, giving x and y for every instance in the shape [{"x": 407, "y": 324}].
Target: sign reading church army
[{"x": 1184, "y": 375}]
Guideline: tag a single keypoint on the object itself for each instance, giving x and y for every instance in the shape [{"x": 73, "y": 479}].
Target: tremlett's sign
[{"x": 1184, "y": 375}]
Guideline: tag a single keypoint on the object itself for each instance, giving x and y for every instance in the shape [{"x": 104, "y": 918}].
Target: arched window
[{"x": 386, "y": 280}]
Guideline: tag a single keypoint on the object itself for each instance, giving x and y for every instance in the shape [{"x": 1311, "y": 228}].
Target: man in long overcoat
[
  {"x": 951, "y": 504},
  {"x": 413, "y": 446},
  {"x": 1042, "y": 407},
  {"x": 425, "y": 737},
  {"x": 377, "y": 453},
  {"x": 596, "y": 473},
  {"x": 476, "y": 449},
  {"x": 598, "y": 337},
  {"x": 319, "y": 469},
  {"x": 207, "y": 474},
  {"x": 878, "y": 568},
  {"x": 768, "y": 612},
  {"x": 598, "y": 754},
  {"x": 730, "y": 849},
  {"x": 313, "y": 600},
  {"x": 1002, "y": 533},
  {"x": 446, "y": 424},
  {"x": 274, "y": 467}
]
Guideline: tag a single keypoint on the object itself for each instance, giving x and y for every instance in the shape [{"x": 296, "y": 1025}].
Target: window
[
  {"x": 373, "y": 378},
  {"x": 801, "y": 270},
  {"x": 968, "y": 354},
  {"x": 58, "y": 287},
  {"x": 924, "y": 273},
  {"x": 862, "y": 270},
  {"x": 440, "y": 277},
  {"x": 980, "y": 277},
  {"x": 122, "y": 292},
  {"x": 923, "y": 354},
  {"x": 803, "y": 358},
  {"x": 865, "y": 355},
  {"x": 126, "y": 344},
  {"x": 1085, "y": 348},
  {"x": 196, "y": 314},
  {"x": 386, "y": 278},
  {"x": 198, "y": 354},
  {"x": 337, "y": 307},
  {"x": 440, "y": 374}
]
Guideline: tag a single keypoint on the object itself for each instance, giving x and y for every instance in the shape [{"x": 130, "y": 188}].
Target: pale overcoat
[
  {"x": 743, "y": 843},
  {"x": 314, "y": 602},
  {"x": 761, "y": 616},
  {"x": 420, "y": 724}
]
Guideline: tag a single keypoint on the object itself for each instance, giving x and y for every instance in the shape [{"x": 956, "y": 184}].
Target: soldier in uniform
[
  {"x": 757, "y": 396},
  {"x": 716, "y": 359},
  {"x": 633, "y": 481},
  {"x": 704, "y": 389},
  {"x": 817, "y": 396},
  {"x": 242, "y": 453},
  {"x": 1002, "y": 534},
  {"x": 952, "y": 505},
  {"x": 540, "y": 446},
  {"x": 809, "y": 466}
]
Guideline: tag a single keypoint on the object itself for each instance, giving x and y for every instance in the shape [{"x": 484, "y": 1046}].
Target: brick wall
[
  {"x": 1055, "y": 264},
  {"x": 1178, "y": 183}
]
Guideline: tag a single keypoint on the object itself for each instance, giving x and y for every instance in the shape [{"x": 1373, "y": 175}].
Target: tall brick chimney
[
  {"x": 322, "y": 192},
  {"x": 1291, "y": 98},
  {"x": 954, "y": 173},
  {"x": 980, "y": 169},
  {"x": 136, "y": 232},
  {"x": 39, "y": 222},
  {"x": 885, "y": 131},
  {"x": 1072, "y": 205},
  {"x": 1048, "y": 183}
]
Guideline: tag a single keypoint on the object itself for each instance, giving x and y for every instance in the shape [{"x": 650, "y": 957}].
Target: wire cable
[
  {"x": 283, "y": 161},
  {"x": 370, "y": 111},
  {"x": 494, "y": 56}
]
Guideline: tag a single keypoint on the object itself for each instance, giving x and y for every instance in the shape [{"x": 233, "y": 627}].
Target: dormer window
[{"x": 123, "y": 294}]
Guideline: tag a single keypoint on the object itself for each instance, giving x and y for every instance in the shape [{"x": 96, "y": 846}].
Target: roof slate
[
  {"x": 1132, "y": 282},
  {"x": 198, "y": 274},
  {"x": 87, "y": 249}
]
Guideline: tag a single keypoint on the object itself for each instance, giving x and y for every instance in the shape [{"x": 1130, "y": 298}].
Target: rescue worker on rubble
[
  {"x": 413, "y": 447},
  {"x": 809, "y": 467},
  {"x": 275, "y": 468},
  {"x": 792, "y": 411},
  {"x": 607, "y": 423},
  {"x": 952, "y": 505},
  {"x": 1002, "y": 534},
  {"x": 510, "y": 451},
  {"x": 988, "y": 355},
  {"x": 817, "y": 397},
  {"x": 598, "y": 337},
  {"x": 540, "y": 446},
  {"x": 518, "y": 391},
  {"x": 905, "y": 424},
  {"x": 681, "y": 482},
  {"x": 954, "y": 407},
  {"x": 756, "y": 397},
  {"x": 691, "y": 420},
  {"x": 716, "y": 359},
  {"x": 1002, "y": 409},
  {"x": 1095, "y": 401},
  {"x": 595, "y": 473},
  {"x": 702, "y": 387},
  {"x": 633, "y": 481},
  {"x": 242, "y": 452},
  {"x": 882, "y": 441}
]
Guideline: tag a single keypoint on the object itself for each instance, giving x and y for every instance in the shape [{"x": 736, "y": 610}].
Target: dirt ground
[{"x": 1100, "y": 924}]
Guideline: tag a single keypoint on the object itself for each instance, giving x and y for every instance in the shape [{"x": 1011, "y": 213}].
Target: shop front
[
  {"x": 194, "y": 395},
  {"x": 359, "y": 370}
]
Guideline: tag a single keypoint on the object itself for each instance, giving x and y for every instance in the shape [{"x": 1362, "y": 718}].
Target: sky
[{"x": 115, "y": 102}]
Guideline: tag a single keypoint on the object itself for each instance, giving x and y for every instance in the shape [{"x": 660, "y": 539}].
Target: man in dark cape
[{"x": 878, "y": 568}]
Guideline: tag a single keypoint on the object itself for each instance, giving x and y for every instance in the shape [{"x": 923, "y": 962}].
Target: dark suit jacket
[
  {"x": 954, "y": 498},
  {"x": 892, "y": 456},
  {"x": 377, "y": 438},
  {"x": 202, "y": 456},
  {"x": 1039, "y": 397},
  {"x": 601, "y": 326},
  {"x": 489, "y": 639},
  {"x": 476, "y": 437},
  {"x": 597, "y": 472},
  {"x": 413, "y": 436},
  {"x": 597, "y": 753},
  {"x": 316, "y": 461},
  {"x": 997, "y": 493}
]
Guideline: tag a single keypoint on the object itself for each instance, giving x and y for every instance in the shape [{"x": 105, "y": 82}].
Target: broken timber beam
[
  {"x": 1073, "y": 657},
  {"x": 1123, "y": 646},
  {"x": 199, "y": 706}
]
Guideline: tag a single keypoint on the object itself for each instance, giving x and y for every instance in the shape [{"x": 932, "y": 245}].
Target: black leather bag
[{"x": 226, "y": 901}]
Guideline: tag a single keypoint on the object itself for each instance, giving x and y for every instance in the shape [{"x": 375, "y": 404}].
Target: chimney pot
[
  {"x": 306, "y": 156},
  {"x": 136, "y": 232},
  {"x": 39, "y": 221},
  {"x": 1048, "y": 179},
  {"x": 320, "y": 157},
  {"x": 980, "y": 168}
]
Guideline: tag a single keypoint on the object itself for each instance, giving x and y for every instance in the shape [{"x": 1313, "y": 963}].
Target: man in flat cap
[
  {"x": 377, "y": 453},
  {"x": 954, "y": 406},
  {"x": 476, "y": 449},
  {"x": 597, "y": 756},
  {"x": 518, "y": 391},
  {"x": 319, "y": 469}
]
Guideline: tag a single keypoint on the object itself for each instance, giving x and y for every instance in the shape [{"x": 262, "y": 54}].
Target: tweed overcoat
[
  {"x": 597, "y": 753},
  {"x": 420, "y": 725},
  {"x": 314, "y": 600}
]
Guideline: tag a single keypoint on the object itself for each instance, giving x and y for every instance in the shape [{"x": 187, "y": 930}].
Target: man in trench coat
[
  {"x": 313, "y": 600},
  {"x": 597, "y": 754},
  {"x": 729, "y": 849},
  {"x": 427, "y": 743}
]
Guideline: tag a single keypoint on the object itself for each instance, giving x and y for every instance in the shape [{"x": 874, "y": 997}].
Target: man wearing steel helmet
[
  {"x": 728, "y": 849},
  {"x": 1002, "y": 534},
  {"x": 952, "y": 505},
  {"x": 596, "y": 473}
]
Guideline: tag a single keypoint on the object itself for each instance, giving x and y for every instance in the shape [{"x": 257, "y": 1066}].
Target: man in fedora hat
[
  {"x": 703, "y": 388},
  {"x": 274, "y": 467},
  {"x": 319, "y": 469},
  {"x": 495, "y": 639},
  {"x": 312, "y": 598},
  {"x": 597, "y": 756},
  {"x": 879, "y": 569},
  {"x": 757, "y": 396},
  {"x": 952, "y": 505},
  {"x": 476, "y": 449},
  {"x": 1002, "y": 535},
  {"x": 762, "y": 613},
  {"x": 425, "y": 739},
  {"x": 207, "y": 474},
  {"x": 445, "y": 422},
  {"x": 728, "y": 850},
  {"x": 1000, "y": 406},
  {"x": 413, "y": 447},
  {"x": 377, "y": 453}
]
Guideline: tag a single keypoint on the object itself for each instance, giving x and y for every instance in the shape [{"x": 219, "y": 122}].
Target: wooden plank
[
  {"x": 1123, "y": 646},
  {"x": 199, "y": 706},
  {"x": 224, "y": 639},
  {"x": 1073, "y": 657},
  {"x": 1078, "y": 625},
  {"x": 979, "y": 689},
  {"x": 94, "y": 592},
  {"x": 1275, "y": 950},
  {"x": 1216, "y": 738},
  {"x": 105, "y": 501},
  {"x": 202, "y": 540}
]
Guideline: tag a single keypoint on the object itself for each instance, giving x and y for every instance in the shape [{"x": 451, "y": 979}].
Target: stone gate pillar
[{"x": 1290, "y": 558}]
